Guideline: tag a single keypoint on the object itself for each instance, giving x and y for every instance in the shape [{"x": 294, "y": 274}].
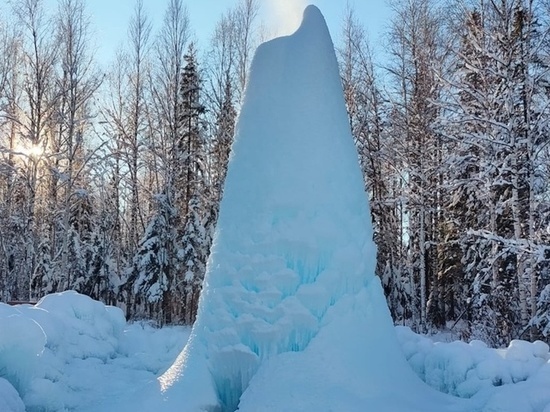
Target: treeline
[
  {"x": 453, "y": 137},
  {"x": 110, "y": 182}
]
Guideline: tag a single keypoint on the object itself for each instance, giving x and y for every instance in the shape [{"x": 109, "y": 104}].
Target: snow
[
  {"x": 42, "y": 369},
  {"x": 68, "y": 352},
  {"x": 291, "y": 317},
  {"x": 472, "y": 370}
]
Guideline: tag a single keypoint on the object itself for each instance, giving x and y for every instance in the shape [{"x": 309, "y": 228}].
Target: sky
[{"x": 110, "y": 18}]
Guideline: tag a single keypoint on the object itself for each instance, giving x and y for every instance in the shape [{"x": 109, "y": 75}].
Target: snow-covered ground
[{"x": 70, "y": 353}]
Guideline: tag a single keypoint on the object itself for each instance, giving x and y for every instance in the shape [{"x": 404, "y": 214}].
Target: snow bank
[
  {"x": 474, "y": 370},
  {"x": 64, "y": 353},
  {"x": 39, "y": 342},
  {"x": 42, "y": 369}
]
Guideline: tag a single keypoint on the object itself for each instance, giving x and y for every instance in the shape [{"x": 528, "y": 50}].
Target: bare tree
[
  {"x": 380, "y": 163},
  {"x": 10, "y": 100},
  {"x": 244, "y": 17},
  {"x": 127, "y": 124},
  {"x": 36, "y": 115},
  {"x": 417, "y": 58},
  {"x": 77, "y": 84}
]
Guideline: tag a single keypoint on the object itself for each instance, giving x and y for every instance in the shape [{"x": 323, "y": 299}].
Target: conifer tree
[
  {"x": 223, "y": 139},
  {"x": 193, "y": 255},
  {"x": 152, "y": 278}
]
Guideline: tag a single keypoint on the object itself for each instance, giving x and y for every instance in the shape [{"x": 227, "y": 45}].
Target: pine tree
[
  {"x": 193, "y": 257},
  {"x": 152, "y": 279},
  {"x": 190, "y": 187},
  {"x": 189, "y": 148},
  {"x": 223, "y": 139}
]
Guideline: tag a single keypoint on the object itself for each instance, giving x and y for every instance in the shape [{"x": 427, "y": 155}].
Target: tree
[
  {"x": 368, "y": 110},
  {"x": 10, "y": 182},
  {"x": 193, "y": 255},
  {"x": 417, "y": 62},
  {"x": 224, "y": 131},
  {"x": 152, "y": 279},
  {"x": 220, "y": 100},
  {"x": 244, "y": 17},
  {"x": 495, "y": 132},
  {"x": 76, "y": 87},
  {"x": 35, "y": 117},
  {"x": 188, "y": 155}
]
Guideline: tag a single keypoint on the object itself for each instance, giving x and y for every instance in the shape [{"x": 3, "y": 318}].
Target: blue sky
[{"x": 110, "y": 17}]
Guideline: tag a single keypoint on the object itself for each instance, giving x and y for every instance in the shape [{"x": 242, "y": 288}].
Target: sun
[{"x": 31, "y": 151}]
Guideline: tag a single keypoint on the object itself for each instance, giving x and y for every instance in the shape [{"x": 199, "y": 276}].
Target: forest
[{"x": 110, "y": 180}]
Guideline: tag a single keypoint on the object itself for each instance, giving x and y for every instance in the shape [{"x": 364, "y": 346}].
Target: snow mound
[
  {"x": 60, "y": 330},
  {"x": 78, "y": 326},
  {"x": 55, "y": 353},
  {"x": 470, "y": 369}
]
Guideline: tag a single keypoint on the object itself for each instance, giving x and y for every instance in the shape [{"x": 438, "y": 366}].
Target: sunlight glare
[
  {"x": 32, "y": 151},
  {"x": 286, "y": 14}
]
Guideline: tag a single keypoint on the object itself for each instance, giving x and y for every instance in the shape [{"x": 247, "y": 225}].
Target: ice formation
[{"x": 291, "y": 316}]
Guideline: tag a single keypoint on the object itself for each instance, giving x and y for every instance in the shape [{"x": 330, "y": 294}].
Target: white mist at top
[{"x": 284, "y": 16}]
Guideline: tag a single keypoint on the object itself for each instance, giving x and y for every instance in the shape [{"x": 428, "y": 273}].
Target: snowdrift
[
  {"x": 291, "y": 317},
  {"x": 69, "y": 351}
]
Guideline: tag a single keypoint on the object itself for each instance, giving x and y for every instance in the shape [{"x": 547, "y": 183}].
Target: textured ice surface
[{"x": 9, "y": 398}]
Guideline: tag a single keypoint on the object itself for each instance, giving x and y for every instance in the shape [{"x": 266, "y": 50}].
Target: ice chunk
[{"x": 9, "y": 398}]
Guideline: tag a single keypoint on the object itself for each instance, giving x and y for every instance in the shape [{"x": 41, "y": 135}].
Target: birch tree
[
  {"x": 77, "y": 85},
  {"x": 128, "y": 125}
]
